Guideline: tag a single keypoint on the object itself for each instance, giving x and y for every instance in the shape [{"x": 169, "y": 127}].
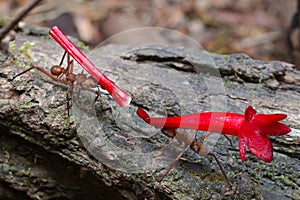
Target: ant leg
[
  {"x": 62, "y": 59},
  {"x": 69, "y": 69},
  {"x": 69, "y": 91},
  {"x": 231, "y": 144},
  {"x": 77, "y": 92},
  {"x": 97, "y": 96},
  {"x": 94, "y": 102},
  {"x": 68, "y": 105},
  {"x": 207, "y": 135},
  {"x": 220, "y": 166},
  {"x": 43, "y": 71},
  {"x": 172, "y": 166},
  {"x": 23, "y": 72},
  {"x": 202, "y": 148},
  {"x": 204, "y": 137},
  {"x": 174, "y": 143},
  {"x": 70, "y": 65}
]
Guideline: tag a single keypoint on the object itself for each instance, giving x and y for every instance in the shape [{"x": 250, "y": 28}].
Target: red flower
[
  {"x": 254, "y": 133},
  {"x": 251, "y": 128}
]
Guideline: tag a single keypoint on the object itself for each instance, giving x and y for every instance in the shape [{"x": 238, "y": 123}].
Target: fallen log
[{"x": 46, "y": 154}]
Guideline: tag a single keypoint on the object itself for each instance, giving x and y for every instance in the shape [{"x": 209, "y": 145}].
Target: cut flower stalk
[
  {"x": 120, "y": 96},
  {"x": 252, "y": 129}
]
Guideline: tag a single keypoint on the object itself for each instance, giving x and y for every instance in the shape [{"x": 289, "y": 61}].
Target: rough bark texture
[{"x": 42, "y": 156}]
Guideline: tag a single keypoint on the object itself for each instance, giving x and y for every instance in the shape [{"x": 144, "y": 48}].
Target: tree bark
[{"x": 44, "y": 153}]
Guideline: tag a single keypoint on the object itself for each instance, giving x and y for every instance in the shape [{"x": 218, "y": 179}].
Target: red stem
[
  {"x": 221, "y": 122},
  {"x": 120, "y": 96}
]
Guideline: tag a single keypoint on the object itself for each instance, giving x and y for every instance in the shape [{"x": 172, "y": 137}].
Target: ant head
[
  {"x": 170, "y": 132},
  {"x": 57, "y": 70},
  {"x": 199, "y": 148}
]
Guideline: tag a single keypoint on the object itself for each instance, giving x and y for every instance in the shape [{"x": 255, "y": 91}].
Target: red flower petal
[
  {"x": 242, "y": 148},
  {"x": 249, "y": 113},
  {"x": 259, "y": 145},
  {"x": 269, "y": 118},
  {"x": 274, "y": 129}
]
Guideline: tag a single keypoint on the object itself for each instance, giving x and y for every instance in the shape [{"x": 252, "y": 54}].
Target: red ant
[{"x": 66, "y": 75}]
